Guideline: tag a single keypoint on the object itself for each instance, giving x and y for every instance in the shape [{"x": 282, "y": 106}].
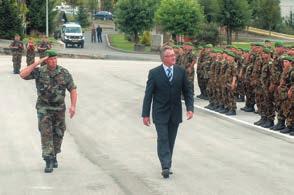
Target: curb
[
  {"x": 7, "y": 51},
  {"x": 123, "y": 51},
  {"x": 276, "y": 134}
]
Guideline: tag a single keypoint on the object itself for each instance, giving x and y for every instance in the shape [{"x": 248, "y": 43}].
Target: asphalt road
[{"x": 107, "y": 150}]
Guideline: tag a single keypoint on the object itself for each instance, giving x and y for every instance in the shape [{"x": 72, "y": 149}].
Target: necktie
[{"x": 169, "y": 74}]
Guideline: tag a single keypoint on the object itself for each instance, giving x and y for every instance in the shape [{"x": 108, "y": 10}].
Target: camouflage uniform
[
  {"x": 290, "y": 114},
  {"x": 211, "y": 83},
  {"x": 276, "y": 72},
  {"x": 42, "y": 54},
  {"x": 188, "y": 61},
  {"x": 30, "y": 54},
  {"x": 249, "y": 90},
  {"x": 256, "y": 83},
  {"x": 51, "y": 86},
  {"x": 16, "y": 55},
  {"x": 231, "y": 72},
  {"x": 203, "y": 58},
  {"x": 267, "y": 105}
]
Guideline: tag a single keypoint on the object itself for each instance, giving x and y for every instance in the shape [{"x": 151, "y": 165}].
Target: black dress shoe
[{"x": 165, "y": 173}]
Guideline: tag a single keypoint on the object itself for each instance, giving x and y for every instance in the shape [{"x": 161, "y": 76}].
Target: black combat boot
[
  {"x": 292, "y": 130},
  {"x": 49, "y": 165},
  {"x": 279, "y": 126},
  {"x": 268, "y": 123},
  {"x": 223, "y": 111},
  {"x": 215, "y": 107},
  {"x": 249, "y": 109},
  {"x": 55, "y": 163},
  {"x": 231, "y": 113},
  {"x": 220, "y": 107},
  {"x": 244, "y": 108},
  {"x": 288, "y": 129},
  {"x": 261, "y": 121}
]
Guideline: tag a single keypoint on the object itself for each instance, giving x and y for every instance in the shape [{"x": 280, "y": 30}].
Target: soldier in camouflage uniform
[
  {"x": 245, "y": 57},
  {"x": 286, "y": 91},
  {"x": 203, "y": 60},
  {"x": 267, "y": 105},
  {"x": 43, "y": 47},
  {"x": 256, "y": 81},
  {"x": 188, "y": 62},
  {"x": 52, "y": 81},
  {"x": 30, "y": 52},
  {"x": 16, "y": 48},
  {"x": 230, "y": 80},
  {"x": 221, "y": 92},
  {"x": 276, "y": 72}
]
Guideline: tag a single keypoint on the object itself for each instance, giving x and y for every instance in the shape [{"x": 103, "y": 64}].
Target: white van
[{"x": 72, "y": 34}]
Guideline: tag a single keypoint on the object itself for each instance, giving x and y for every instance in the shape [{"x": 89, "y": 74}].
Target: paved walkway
[{"x": 93, "y": 50}]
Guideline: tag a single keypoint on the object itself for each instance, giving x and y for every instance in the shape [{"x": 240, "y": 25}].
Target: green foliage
[
  {"x": 211, "y": 9},
  {"x": 82, "y": 17},
  {"x": 235, "y": 15},
  {"x": 209, "y": 33},
  {"x": 36, "y": 15},
  {"x": 135, "y": 16},
  {"x": 10, "y": 22},
  {"x": 267, "y": 14},
  {"x": 107, "y": 5},
  {"x": 180, "y": 17},
  {"x": 146, "y": 38}
]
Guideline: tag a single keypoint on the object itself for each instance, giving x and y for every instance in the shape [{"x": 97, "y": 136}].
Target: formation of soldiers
[
  {"x": 17, "y": 48},
  {"x": 262, "y": 76}
]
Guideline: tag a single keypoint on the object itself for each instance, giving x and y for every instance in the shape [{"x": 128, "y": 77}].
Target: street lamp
[{"x": 47, "y": 31}]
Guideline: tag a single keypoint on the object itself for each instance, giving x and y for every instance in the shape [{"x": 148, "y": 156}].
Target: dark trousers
[
  {"x": 99, "y": 37},
  {"x": 166, "y": 136}
]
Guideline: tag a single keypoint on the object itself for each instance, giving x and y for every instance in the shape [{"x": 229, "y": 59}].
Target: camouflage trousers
[
  {"x": 218, "y": 94},
  {"x": 229, "y": 98},
  {"x": 259, "y": 98},
  {"x": 289, "y": 113},
  {"x": 30, "y": 59},
  {"x": 191, "y": 79},
  {"x": 16, "y": 59},
  {"x": 267, "y": 105},
  {"x": 51, "y": 126},
  {"x": 250, "y": 96},
  {"x": 240, "y": 88},
  {"x": 210, "y": 91},
  {"x": 201, "y": 82},
  {"x": 280, "y": 105}
]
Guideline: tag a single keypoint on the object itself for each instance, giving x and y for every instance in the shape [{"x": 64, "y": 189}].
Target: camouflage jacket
[
  {"x": 44, "y": 45},
  {"x": 19, "y": 46},
  {"x": 51, "y": 86},
  {"x": 266, "y": 75},
  {"x": 231, "y": 72},
  {"x": 276, "y": 71}
]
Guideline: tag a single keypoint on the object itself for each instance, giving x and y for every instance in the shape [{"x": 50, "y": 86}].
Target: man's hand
[
  {"x": 42, "y": 60},
  {"x": 189, "y": 115},
  {"x": 233, "y": 86},
  {"x": 72, "y": 111},
  {"x": 146, "y": 121}
]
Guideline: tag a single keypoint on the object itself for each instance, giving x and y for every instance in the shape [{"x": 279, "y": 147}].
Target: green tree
[
  {"x": 234, "y": 15},
  {"x": 10, "y": 22},
  {"x": 270, "y": 14},
  {"x": 107, "y": 5},
  {"x": 180, "y": 17},
  {"x": 82, "y": 17},
  {"x": 211, "y": 9},
  {"x": 36, "y": 15},
  {"x": 133, "y": 17}
]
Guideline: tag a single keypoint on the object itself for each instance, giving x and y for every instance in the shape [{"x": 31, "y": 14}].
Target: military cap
[
  {"x": 200, "y": 47},
  {"x": 176, "y": 46},
  {"x": 217, "y": 50},
  {"x": 208, "y": 46},
  {"x": 50, "y": 53},
  {"x": 279, "y": 44},
  {"x": 189, "y": 43},
  {"x": 230, "y": 53},
  {"x": 267, "y": 40},
  {"x": 267, "y": 50},
  {"x": 287, "y": 57},
  {"x": 245, "y": 49}
]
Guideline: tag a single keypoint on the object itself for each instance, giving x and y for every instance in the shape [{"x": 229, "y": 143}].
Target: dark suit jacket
[{"x": 166, "y": 96}]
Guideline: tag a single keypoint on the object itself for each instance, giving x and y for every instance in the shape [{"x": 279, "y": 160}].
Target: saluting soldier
[
  {"x": 16, "y": 49},
  {"x": 52, "y": 81}
]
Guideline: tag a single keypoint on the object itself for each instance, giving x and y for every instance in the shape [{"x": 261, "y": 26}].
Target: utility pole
[{"x": 47, "y": 26}]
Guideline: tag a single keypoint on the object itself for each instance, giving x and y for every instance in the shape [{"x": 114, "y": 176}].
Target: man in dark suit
[{"x": 165, "y": 85}]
